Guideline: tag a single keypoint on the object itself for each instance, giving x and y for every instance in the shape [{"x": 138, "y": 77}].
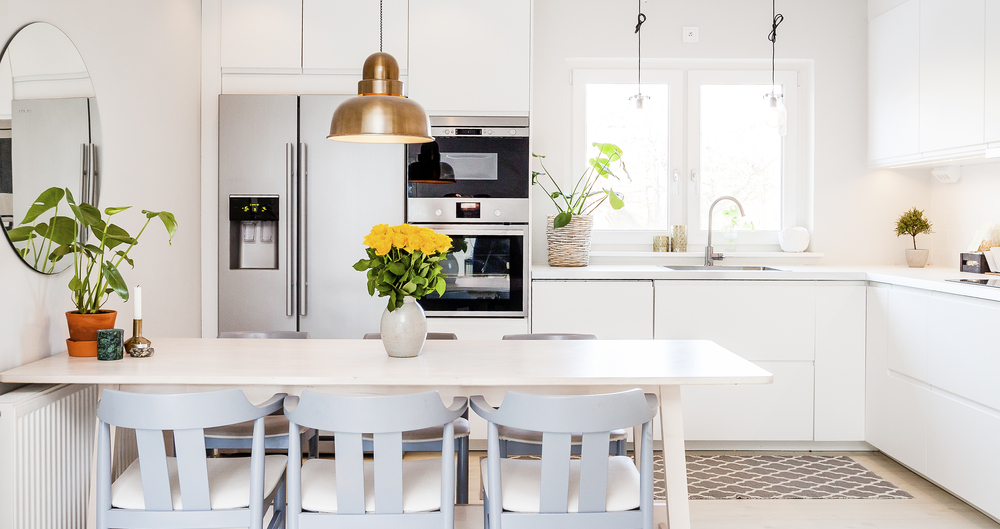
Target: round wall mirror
[{"x": 50, "y": 136}]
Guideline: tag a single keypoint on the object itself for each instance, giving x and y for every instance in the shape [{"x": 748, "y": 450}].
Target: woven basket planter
[{"x": 569, "y": 245}]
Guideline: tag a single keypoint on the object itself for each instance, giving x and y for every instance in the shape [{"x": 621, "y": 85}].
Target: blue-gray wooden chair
[
  {"x": 595, "y": 491},
  {"x": 429, "y": 439},
  {"x": 188, "y": 490},
  {"x": 240, "y": 436},
  {"x": 515, "y": 441},
  {"x": 384, "y": 492}
]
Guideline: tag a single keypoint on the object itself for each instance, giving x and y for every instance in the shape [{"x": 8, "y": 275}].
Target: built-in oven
[
  {"x": 481, "y": 158},
  {"x": 486, "y": 272}
]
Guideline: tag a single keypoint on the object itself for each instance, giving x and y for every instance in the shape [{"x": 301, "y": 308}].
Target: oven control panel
[{"x": 470, "y": 210}]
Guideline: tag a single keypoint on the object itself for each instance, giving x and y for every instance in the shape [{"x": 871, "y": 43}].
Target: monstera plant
[{"x": 98, "y": 248}]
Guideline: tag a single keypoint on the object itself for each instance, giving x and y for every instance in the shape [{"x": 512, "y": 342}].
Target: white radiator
[{"x": 46, "y": 449}]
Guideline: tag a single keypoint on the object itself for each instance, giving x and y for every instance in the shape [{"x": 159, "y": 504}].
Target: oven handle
[{"x": 473, "y": 229}]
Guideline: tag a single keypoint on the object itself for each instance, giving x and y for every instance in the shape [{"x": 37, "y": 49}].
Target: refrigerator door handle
[
  {"x": 84, "y": 184},
  {"x": 95, "y": 182},
  {"x": 303, "y": 203},
  {"x": 289, "y": 222}
]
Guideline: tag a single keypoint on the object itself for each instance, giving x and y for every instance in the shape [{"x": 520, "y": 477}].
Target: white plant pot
[
  {"x": 404, "y": 330},
  {"x": 917, "y": 258}
]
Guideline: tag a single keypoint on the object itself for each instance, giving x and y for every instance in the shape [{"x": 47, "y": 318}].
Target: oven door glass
[
  {"x": 469, "y": 167},
  {"x": 484, "y": 276}
]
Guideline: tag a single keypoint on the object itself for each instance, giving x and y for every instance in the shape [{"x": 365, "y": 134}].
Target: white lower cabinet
[
  {"x": 944, "y": 423},
  {"x": 613, "y": 310}
]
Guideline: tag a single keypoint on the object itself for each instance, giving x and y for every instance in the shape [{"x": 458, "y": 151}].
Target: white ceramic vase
[
  {"x": 404, "y": 329},
  {"x": 916, "y": 258}
]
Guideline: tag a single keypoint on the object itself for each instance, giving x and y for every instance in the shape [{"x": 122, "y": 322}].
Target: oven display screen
[{"x": 467, "y": 210}]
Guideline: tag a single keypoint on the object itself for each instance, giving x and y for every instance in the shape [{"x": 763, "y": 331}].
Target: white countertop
[
  {"x": 929, "y": 278},
  {"x": 475, "y": 363}
]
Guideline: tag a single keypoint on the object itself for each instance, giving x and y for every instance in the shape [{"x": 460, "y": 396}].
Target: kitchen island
[{"x": 467, "y": 367}]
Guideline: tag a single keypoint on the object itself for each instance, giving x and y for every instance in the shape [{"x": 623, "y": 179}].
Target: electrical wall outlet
[{"x": 691, "y": 34}]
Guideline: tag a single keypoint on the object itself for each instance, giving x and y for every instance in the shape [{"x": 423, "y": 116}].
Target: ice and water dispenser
[{"x": 253, "y": 232}]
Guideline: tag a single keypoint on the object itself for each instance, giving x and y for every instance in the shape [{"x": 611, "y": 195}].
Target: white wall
[
  {"x": 144, "y": 59},
  {"x": 853, "y": 208},
  {"x": 958, "y": 210}
]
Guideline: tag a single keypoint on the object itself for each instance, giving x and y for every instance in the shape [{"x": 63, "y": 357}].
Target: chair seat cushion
[
  {"x": 434, "y": 433},
  {"x": 228, "y": 482},
  {"x": 521, "y": 484},
  {"x": 535, "y": 438},
  {"x": 274, "y": 426},
  {"x": 421, "y": 485}
]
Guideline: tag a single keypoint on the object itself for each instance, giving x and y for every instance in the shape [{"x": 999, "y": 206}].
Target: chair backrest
[
  {"x": 386, "y": 417},
  {"x": 187, "y": 415},
  {"x": 430, "y": 336},
  {"x": 266, "y": 335},
  {"x": 558, "y": 417},
  {"x": 549, "y": 336}
]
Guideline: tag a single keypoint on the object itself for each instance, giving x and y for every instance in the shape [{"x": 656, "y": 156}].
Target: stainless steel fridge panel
[
  {"x": 349, "y": 188},
  {"x": 258, "y": 139}
]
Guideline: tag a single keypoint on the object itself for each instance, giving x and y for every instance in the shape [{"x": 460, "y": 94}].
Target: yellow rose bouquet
[{"x": 403, "y": 261}]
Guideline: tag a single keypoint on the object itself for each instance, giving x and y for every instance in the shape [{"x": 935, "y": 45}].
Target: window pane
[
  {"x": 740, "y": 156},
  {"x": 644, "y": 143}
]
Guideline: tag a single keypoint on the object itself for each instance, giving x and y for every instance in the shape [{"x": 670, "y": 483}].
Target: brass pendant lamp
[{"x": 380, "y": 113}]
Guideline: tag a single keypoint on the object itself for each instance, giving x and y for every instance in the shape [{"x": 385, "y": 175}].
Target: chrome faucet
[{"x": 710, "y": 256}]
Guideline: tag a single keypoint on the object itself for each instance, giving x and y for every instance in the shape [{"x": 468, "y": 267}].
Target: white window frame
[
  {"x": 789, "y": 152},
  {"x": 683, "y": 76}
]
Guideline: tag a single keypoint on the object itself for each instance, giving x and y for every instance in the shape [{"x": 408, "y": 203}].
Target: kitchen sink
[{"x": 721, "y": 268}]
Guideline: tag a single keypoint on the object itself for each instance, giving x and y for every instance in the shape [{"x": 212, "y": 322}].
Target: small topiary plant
[{"x": 912, "y": 223}]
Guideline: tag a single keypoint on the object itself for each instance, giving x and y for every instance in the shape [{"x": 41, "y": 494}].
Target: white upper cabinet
[
  {"x": 894, "y": 83},
  {"x": 470, "y": 57},
  {"x": 262, "y": 34},
  {"x": 992, "y": 71},
  {"x": 339, "y": 36},
  {"x": 952, "y": 89}
]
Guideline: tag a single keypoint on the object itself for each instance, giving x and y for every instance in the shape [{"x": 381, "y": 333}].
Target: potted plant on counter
[
  {"x": 96, "y": 259},
  {"x": 913, "y": 223},
  {"x": 568, "y": 232},
  {"x": 402, "y": 265}
]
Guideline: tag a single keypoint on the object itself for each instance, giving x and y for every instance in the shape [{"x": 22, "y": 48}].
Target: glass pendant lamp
[
  {"x": 380, "y": 113},
  {"x": 775, "y": 115},
  {"x": 637, "y": 112}
]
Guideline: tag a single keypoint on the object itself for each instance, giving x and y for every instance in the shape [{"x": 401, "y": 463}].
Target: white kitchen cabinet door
[
  {"x": 613, "y": 310},
  {"x": 780, "y": 411},
  {"x": 894, "y": 83},
  {"x": 470, "y": 57},
  {"x": 895, "y": 409},
  {"x": 262, "y": 34},
  {"x": 908, "y": 332},
  {"x": 758, "y": 320},
  {"x": 992, "y": 71},
  {"x": 840, "y": 361},
  {"x": 341, "y": 35},
  {"x": 962, "y": 356},
  {"x": 952, "y": 66}
]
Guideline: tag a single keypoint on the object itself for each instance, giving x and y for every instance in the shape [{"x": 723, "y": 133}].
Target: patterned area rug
[{"x": 731, "y": 477}]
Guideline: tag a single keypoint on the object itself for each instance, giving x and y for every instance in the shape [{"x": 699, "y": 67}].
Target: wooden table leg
[{"x": 677, "y": 514}]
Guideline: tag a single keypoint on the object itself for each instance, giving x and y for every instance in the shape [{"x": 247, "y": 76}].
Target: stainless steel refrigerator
[{"x": 294, "y": 208}]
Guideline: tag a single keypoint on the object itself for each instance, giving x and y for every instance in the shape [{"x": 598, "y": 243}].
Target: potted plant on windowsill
[
  {"x": 568, "y": 232},
  {"x": 95, "y": 264},
  {"x": 913, "y": 223}
]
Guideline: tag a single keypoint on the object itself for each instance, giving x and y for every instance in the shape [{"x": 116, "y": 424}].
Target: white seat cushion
[
  {"x": 521, "y": 484},
  {"x": 535, "y": 438},
  {"x": 274, "y": 426},
  {"x": 434, "y": 433},
  {"x": 228, "y": 482},
  {"x": 421, "y": 485}
]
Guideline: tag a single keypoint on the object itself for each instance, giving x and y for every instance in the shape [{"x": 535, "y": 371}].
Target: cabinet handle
[{"x": 303, "y": 228}]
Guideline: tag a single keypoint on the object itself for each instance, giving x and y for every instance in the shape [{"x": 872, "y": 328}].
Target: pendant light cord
[
  {"x": 380, "y": 26},
  {"x": 638, "y": 30},
  {"x": 776, "y": 20}
]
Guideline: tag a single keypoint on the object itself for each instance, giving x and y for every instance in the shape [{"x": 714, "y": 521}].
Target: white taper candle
[{"x": 138, "y": 303}]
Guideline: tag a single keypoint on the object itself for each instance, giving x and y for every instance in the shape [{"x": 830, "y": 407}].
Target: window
[{"x": 704, "y": 138}]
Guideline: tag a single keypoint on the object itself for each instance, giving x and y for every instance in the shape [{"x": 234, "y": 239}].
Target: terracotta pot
[{"x": 83, "y": 330}]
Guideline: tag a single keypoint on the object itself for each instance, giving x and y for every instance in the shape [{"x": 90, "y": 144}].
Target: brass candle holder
[{"x": 137, "y": 346}]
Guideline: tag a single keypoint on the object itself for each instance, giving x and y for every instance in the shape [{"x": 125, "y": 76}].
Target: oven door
[{"x": 485, "y": 272}]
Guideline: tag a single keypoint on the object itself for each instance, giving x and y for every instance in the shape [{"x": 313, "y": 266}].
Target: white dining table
[{"x": 454, "y": 367}]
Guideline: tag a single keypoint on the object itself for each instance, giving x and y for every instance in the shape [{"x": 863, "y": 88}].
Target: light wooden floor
[{"x": 930, "y": 508}]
